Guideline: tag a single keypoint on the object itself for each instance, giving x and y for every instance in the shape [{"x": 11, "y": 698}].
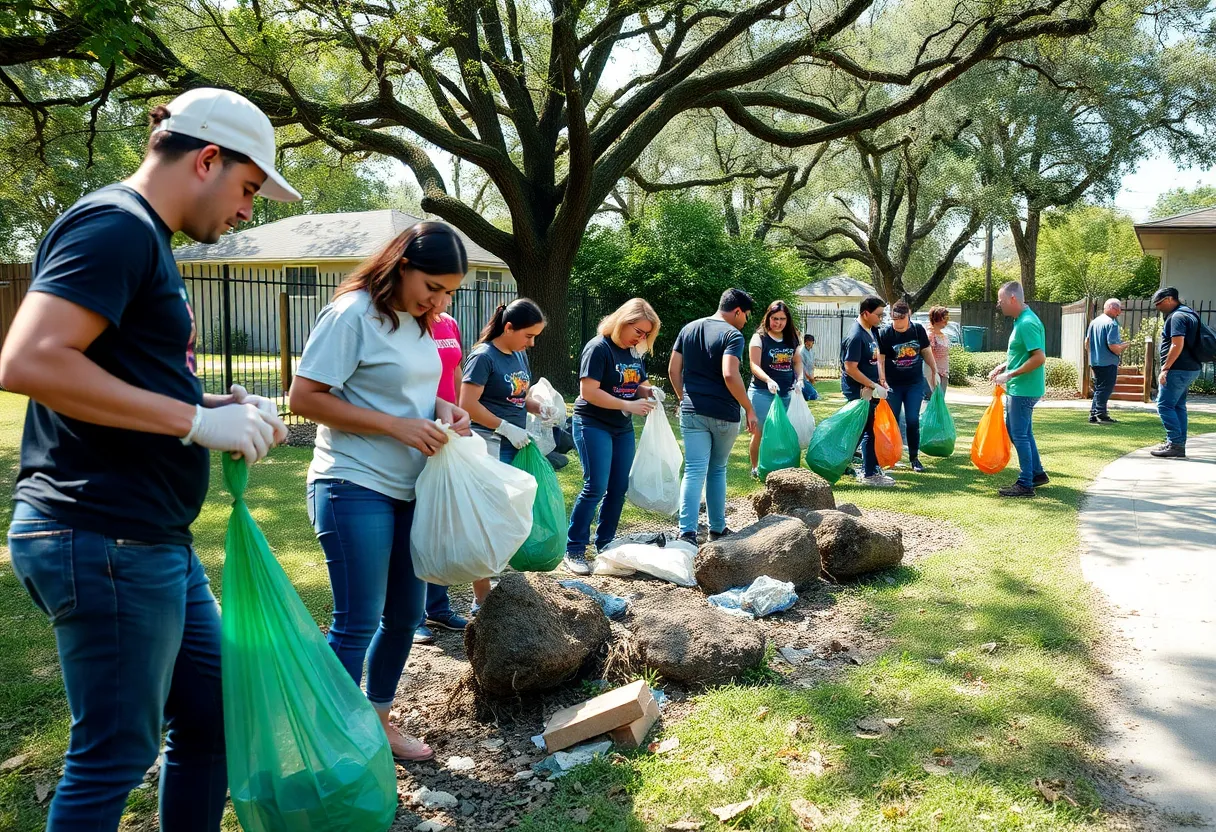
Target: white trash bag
[
  {"x": 654, "y": 478},
  {"x": 673, "y": 562},
  {"x": 472, "y": 513},
  {"x": 541, "y": 430},
  {"x": 801, "y": 418}
]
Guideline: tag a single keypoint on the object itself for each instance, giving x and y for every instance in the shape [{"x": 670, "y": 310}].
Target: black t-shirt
[
  {"x": 110, "y": 254},
  {"x": 905, "y": 365},
  {"x": 1182, "y": 321},
  {"x": 776, "y": 360},
  {"x": 619, "y": 372},
  {"x": 861, "y": 346},
  {"x": 703, "y": 343}
]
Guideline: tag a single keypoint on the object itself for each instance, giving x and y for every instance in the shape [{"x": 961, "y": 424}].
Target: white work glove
[
  {"x": 773, "y": 387},
  {"x": 658, "y": 395},
  {"x": 516, "y": 436},
  {"x": 880, "y": 392},
  {"x": 1001, "y": 379},
  {"x": 267, "y": 408},
  {"x": 551, "y": 414},
  {"x": 241, "y": 429}
]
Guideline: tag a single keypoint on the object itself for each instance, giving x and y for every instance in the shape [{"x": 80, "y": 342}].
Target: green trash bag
[
  {"x": 779, "y": 446},
  {"x": 546, "y": 545},
  {"x": 306, "y": 752},
  {"x": 937, "y": 433},
  {"x": 835, "y": 440}
]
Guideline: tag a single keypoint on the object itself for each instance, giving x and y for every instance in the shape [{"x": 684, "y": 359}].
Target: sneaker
[
  {"x": 1093, "y": 420},
  {"x": 917, "y": 467},
  {"x": 1170, "y": 451},
  {"x": 727, "y": 532},
  {"x": 424, "y": 635},
  {"x": 1106, "y": 420},
  {"x": 755, "y": 473},
  {"x": 474, "y": 609},
  {"x": 1016, "y": 490},
  {"x": 576, "y": 563},
  {"x": 451, "y": 621},
  {"x": 880, "y": 480},
  {"x": 689, "y": 537},
  {"x": 1041, "y": 479}
]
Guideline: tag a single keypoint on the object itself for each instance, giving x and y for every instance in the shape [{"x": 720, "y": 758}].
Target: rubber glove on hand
[
  {"x": 551, "y": 414},
  {"x": 1001, "y": 379},
  {"x": 773, "y": 387},
  {"x": 658, "y": 395},
  {"x": 880, "y": 392},
  {"x": 241, "y": 429},
  {"x": 264, "y": 405},
  {"x": 515, "y": 435}
]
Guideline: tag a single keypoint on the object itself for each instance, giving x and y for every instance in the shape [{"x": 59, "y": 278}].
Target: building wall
[
  {"x": 829, "y": 301},
  {"x": 1188, "y": 262}
]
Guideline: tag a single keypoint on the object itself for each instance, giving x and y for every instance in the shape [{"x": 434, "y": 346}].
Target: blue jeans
[
  {"x": 497, "y": 444},
  {"x": 808, "y": 391},
  {"x": 438, "y": 605},
  {"x": 378, "y": 601},
  {"x": 908, "y": 399},
  {"x": 868, "y": 454},
  {"x": 1104, "y": 385},
  {"x": 1171, "y": 404},
  {"x": 707, "y": 446},
  {"x": 762, "y": 401},
  {"x": 607, "y": 457},
  {"x": 1019, "y": 412},
  {"x": 138, "y": 633}
]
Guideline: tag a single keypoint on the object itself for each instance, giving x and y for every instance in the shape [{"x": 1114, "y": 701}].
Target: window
[
  {"x": 484, "y": 276},
  {"x": 301, "y": 281}
]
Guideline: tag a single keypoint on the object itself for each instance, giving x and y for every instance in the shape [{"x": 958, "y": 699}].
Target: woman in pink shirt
[{"x": 446, "y": 333}]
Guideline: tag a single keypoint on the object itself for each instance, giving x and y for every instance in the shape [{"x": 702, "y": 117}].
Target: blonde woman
[{"x": 612, "y": 390}]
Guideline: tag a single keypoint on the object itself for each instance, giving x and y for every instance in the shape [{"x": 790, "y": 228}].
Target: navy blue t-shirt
[
  {"x": 703, "y": 343},
  {"x": 110, "y": 254},
  {"x": 902, "y": 351},
  {"x": 619, "y": 372},
  {"x": 776, "y": 360},
  {"x": 1182, "y": 321},
  {"x": 861, "y": 346}
]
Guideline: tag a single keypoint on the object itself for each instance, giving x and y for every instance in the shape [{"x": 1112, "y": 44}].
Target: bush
[
  {"x": 1203, "y": 387},
  {"x": 983, "y": 363},
  {"x": 1061, "y": 374},
  {"x": 960, "y": 366}
]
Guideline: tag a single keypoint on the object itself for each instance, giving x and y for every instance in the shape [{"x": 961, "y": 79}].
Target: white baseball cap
[{"x": 233, "y": 122}]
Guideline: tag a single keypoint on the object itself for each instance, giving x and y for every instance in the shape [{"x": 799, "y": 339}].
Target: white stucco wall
[{"x": 1188, "y": 263}]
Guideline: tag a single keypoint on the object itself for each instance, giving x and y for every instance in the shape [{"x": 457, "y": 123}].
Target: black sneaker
[
  {"x": 1041, "y": 479},
  {"x": 1016, "y": 490},
  {"x": 1106, "y": 420},
  {"x": 727, "y": 532},
  {"x": 1093, "y": 420},
  {"x": 689, "y": 537},
  {"x": 453, "y": 622},
  {"x": 1170, "y": 451},
  {"x": 917, "y": 467},
  {"x": 576, "y": 563}
]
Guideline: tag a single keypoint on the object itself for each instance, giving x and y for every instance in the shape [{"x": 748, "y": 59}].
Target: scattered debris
[
  {"x": 795, "y": 656},
  {"x": 520, "y": 776},
  {"x": 665, "y": 747},
  {"x": 1053, "y": 791},
  {"x": 14, "y": 763},
  {"x": 684, "y": 826},
  {"x": 634, "y": 734},
  {"x": 718, "y": 775},
  {"x": 610, "y": 710},
  {"x": 761, "y": 714},
  {"x": 725, "y": 813},
  {"x": 560, "y": 764},
  {"x": 989, "y": 648},
  {"x": 614, "y": 606},
  {"x": 809, "y": 815},
  {"x": 430, "y": 826},
  {"x": 492, "y": 744},
  {"x": 764, "y": 597},
  {"x": 428, "y": 799},
  {"x": 945, "y": 765},
  {"x": 43, "y": 790},
  {"x": 877, "y": 726},
  {"x": 461, "y": 764}
]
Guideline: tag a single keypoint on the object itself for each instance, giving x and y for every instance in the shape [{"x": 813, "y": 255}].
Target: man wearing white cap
[{"x": 114, "y": 463}]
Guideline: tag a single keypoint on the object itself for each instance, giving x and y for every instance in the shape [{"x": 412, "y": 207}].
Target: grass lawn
[{"x": 1022, "y": 712}]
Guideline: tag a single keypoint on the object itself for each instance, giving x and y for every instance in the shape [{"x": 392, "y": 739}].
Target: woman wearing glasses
[{"x": 904, "y": 346}]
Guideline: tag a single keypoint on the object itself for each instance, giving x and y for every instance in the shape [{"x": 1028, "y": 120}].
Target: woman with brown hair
[
  {"x": 776, "y": 367},
  {"x": 369, "y": 378},
  {"x": 939, "y": 316},
  {"x": 612, "y": 390}
]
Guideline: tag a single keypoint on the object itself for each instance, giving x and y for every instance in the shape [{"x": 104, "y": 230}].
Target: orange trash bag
[
  {"x": 888, "y": 444},
  {"x": 991, "y": 449}
]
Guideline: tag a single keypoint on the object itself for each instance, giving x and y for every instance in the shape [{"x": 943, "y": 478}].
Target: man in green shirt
[{"x": 1025, "y": 381}]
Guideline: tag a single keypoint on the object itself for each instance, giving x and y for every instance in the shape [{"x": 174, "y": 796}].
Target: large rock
[
  {"x": 532, "y": 634},
  {"x": 793, "y": 488},
  {"x": 853, "y": 545},
  {"x": 780, "y": 547},
  {"x": 688, "y": 641}
]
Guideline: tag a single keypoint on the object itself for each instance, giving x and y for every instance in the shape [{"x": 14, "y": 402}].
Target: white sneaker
[{"x": 880, "y": 480}]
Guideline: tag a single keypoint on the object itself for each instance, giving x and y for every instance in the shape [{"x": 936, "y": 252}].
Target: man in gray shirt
[
  {"x": 1104, "y": 345},
  {"x": 807, "y": 353}
]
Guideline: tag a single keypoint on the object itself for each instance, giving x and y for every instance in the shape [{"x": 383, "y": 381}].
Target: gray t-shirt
[
  {"x": 808, "y": 361},
  {"x": 506, "y": 378},
  {"x": 396, "y": 373}
]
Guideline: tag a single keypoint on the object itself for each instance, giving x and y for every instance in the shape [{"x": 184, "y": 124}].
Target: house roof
[
  {"x": 353, "y": 235},
  {"x": 1199, "y": 221},
  {"x": 837, "y": 286}
]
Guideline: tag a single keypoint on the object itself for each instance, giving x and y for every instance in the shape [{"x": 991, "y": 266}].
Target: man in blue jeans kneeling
[
  {"x": 1179, "y": 369},
  {"x": 114, "y": 464},
  {"x": 1024, "y": 379},
  {"x": 704, "y": 373}
]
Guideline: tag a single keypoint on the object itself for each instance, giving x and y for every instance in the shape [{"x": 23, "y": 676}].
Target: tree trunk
[
  {"x": 1026, "y": 241},
  {"x": 548, "y": 283}
]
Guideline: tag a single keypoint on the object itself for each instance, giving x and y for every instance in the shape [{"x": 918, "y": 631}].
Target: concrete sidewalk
[
  {"x": 1194, "y": 404},
  {"x": 1148, "y": 530}
]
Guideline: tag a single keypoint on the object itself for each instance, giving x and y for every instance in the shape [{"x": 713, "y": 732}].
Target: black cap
[{"x": 1163, "y": 293}]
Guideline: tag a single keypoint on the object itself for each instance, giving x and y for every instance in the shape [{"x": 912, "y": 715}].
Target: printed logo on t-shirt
[
  {"x": 905, "y": 353},
  {"x": 781, "y": 359},
  {"x": 874, "y": 352},
  {"x": 630, "y": 378},
  {"x": 518, "y": 381},
  {"x": 191, "y": 361},
  {"x": 447, "y": 343}
]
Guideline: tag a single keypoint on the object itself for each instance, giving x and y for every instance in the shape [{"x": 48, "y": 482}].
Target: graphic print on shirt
[
  {"x": 518, "y": 382},
  {"x": 191, "y": 361},
  {"x": 781, "y": 359},
  {"x": 447, "y": 343},
  {"x": 631, "y": 377},
  {"x": 906, "y": 353}
]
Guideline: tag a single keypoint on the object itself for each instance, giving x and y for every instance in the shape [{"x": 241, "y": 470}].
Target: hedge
[{"x": 1060, "y": 374}]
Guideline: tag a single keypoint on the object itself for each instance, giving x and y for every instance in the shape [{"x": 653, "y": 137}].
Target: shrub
[
  {"x": 960, "y": 366},
  {"x": 215, "y": 341},
  {"x": 983, "y": 363},
  {"x": 1061, "y": 374},
  {"x": 1203, "y": 387}
]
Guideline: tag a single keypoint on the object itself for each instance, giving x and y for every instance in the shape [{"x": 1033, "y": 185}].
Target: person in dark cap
[{"x": 1179, "y": 369}]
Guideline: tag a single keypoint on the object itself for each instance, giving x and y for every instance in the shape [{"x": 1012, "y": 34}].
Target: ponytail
[{"x": 520, "y": 314}]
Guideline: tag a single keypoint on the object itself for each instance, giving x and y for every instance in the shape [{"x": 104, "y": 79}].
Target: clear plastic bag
[
  {"x": 801, "y": 417},
  {"x": 654, "y": 479},
  {"x": 541, "y": 430},
  {"x": 768, "y": 595},
  {"x": 472, "y": 513}
]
